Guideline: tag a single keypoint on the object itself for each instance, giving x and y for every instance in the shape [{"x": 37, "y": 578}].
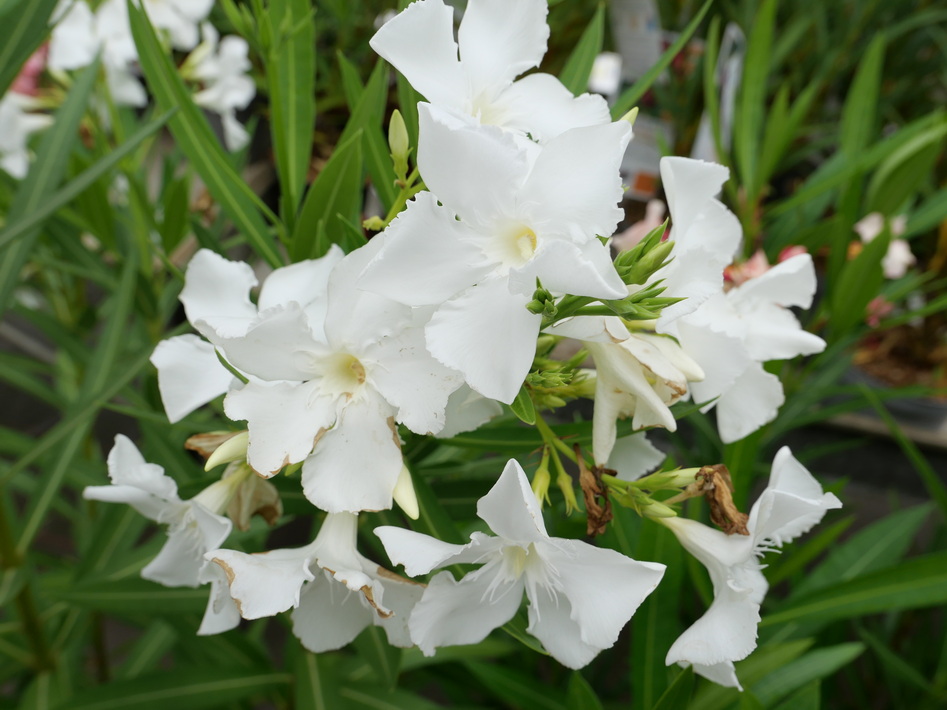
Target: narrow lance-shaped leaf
[
  {"x": 575, "y": 74},
  {"x": 290, "y": 77},
  {"x": 198, "y": 141},
  {"x": 24, "y": 26}
]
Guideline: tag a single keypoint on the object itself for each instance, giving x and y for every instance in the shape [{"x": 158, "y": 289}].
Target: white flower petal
[
  {"x": 73, "y": 43},
  {"x": 304, "y": 282},
  {"x": 576, "y": 181},
  {"x": 401, "y": 596},
  {"x": 540, "y": 105},
  {"x": 142, "y": 485},
  {"x": 577, "y": 269},
  {"x": 221, "y": 613},
  {"x": 720, "y": 673},
  {"x": 179, "y": 562},
  {"x": 494, "y": 169},
  {"x": 773, "y": 333},
  {"x": 279, "y": 345},
  {"x": 453, "y": 613},
  {"x": 419, "y": 42},
  {"x": 189, "y": 375},
  {"x": 421, "y": 553},
  {"x": 633, "y": 456},
  {"x": 428, "y": 256},
  {"x": 216, "y": 295},
  {"x": 283, "y": 420},
  {"x": 466, "y": 410},
  {"x": 329, "y": 615},
  {"x": 510, "y": 507},
  {"x": 411, "y": 380},
  {"x": 551, "y": 621},
  {"x": 789, "y": 283},
  {"x": 752, "y": 401},
  {"x": 604, "y": 588},
  {"x": 355, "y": 465},
  {"x": 500, "y": 40},
  {"x": 487, "y": 334},
  {"x": 268, "y": 583}
]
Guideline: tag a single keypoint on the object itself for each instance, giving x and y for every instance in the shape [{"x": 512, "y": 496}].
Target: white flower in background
[
  {"x": 730, "y": 336},
  {"x": 637, "y": 374},
  {"x": 503, "y": 222},
  {"x": 17, "y": 124},
  {"x": 335, "y": 591},
  {"x": 331, "y": 369},
  {"x": 706, "y": 235},
  {"x": 898, "y": 259},
  {"x": 79, "y": 34},
  {"x": 498, "y": 40},
  {"x": 194, "y": 526},
  {"x": 223, "y": 66},
  {"x": 791, "y": 505},
  {"x": 580, "y": 595}
]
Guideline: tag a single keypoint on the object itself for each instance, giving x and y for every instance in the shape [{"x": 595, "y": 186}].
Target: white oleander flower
[
  {"x": 79, "y": 34},
  {"x": 17, "y": 124},
  {"x": 334, "y": 591},
  {"x": 223, "y": 66},
  {"x": 330, "y": 371},
  {"x": 730, "y": 336},
  {"x": 637, "y": 374},
  {"x": 899, "y": 258},
  {"x": 497, "y": 41},
  {"x": 791, "y": 505},
  {"x": 580, "y": 596},
  {"x": 474, "y": 247},
  {"x": 194, "y": 526}
]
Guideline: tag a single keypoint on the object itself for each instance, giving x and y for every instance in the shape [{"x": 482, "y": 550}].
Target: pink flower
[{"x": 27, "y": 81}]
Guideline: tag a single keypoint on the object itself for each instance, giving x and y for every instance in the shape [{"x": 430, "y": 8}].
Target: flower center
[
  {"x": 514, "y": 245},
  {"x": 343, "y": 374}
]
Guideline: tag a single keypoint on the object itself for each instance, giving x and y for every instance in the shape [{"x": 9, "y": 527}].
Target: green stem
[{"x": 553, "y": 440}]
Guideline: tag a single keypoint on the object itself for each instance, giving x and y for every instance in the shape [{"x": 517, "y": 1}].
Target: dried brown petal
[
  {"x": 598, "y": 514},
  {"x": 717, "y": 487}
]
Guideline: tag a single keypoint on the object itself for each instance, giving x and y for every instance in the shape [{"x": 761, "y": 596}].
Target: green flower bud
[{"x": 399, "y": 145}]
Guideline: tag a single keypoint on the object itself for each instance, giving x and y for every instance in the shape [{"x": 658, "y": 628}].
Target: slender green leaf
[
  {"x": 808, "y": 697},
  {"x": 935, "y": 486},
  {"x": 859, "y": 281},
  {"x": 897, "y": 665},
  {"x": 515, "y": 688},
  {"x": 44, "y": 176},
  {"x": 815, "y": 665},
  {"x": 198, "y": 141},
  {"x": 575, "y": 74},
  {"x": 134, "y": 597},
  {"x": 148, "y": 650},
  {"x": 21, "y": 33},
  {"x": 580, "y": 694},
  {"x": 928, "y": 215},
  {"x": 861, "y": 103},
  {"x": 748, "y": 120},
  {"x": 372, "y": 645},
  {"x": 337, "y": 190},
  {"x": 919, "y": 582},
  {"x": 880, "y": 545},
  {"x": 35, "y": 219},
  {"x": 291, "y": 78},
  {"x": 629, "y": 97},
  {"x": 316, "y": 681},
  {"x": 181, "y": 689},
  {"x": 900, "y": 175},
  {"x": 788, "y": 565},
  {"x": 370, "y": 698},
  {"x": 678, "y": 693},
  {"x": 523, "y": 407}
]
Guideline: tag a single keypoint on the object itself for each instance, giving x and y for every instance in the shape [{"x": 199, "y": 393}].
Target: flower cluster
[{"x": 432, "y": 325}]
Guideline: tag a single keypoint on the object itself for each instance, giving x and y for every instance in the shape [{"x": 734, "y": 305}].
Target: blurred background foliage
[{"x": 838, "y": 113}]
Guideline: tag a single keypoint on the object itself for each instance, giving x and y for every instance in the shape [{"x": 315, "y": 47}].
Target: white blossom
[
  {"x": 497, "y": 41},
  {"x": 17, "y": 124},
  {"x": 194, "y": 526},
  {"x": 475, "y": 245},
  {"x": 791, "y": 505},
  {"x": 335, "y": 591},
  {"x": 580, "y": 595}
]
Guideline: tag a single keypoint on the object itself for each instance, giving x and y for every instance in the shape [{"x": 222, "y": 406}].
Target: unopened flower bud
[
  {"x": 564, "y": 483},
  {"x": 232, "y": 449},
  {"x": 398, "y": 143},
  {"x": 630, "y": 116},
  {"x": 542, "y": 479},
  {"x": 405, "y": 495}
]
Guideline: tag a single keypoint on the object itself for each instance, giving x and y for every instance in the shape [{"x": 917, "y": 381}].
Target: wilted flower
[{"x": 792, "y": 503}]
